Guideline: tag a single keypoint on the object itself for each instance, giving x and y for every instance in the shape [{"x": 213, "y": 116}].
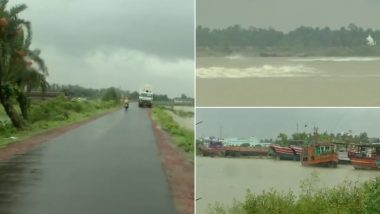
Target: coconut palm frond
[
  {"x": 28, "y": 32},
  {"x": 17, "y": 9},
  {"x": 35, "y": 56},
  {"x": 3, "y": 4},
  {"x": 32, "y": 78}
]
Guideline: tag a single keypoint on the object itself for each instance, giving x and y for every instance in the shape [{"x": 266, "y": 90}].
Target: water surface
[
  {"x": 223, "y": 179},
  {"x": 284, "y": 81}
]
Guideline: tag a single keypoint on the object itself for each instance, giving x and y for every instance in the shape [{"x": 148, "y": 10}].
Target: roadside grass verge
[
  {"x": 183, "y": 138},
  {"x": 347, "y": 198},
  {"x": 55, "y": 113}
]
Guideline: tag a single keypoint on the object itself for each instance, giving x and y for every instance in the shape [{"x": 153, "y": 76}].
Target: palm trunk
[
  {"x": 6, "y": 101},
  {"x": 23, "y": 103}
]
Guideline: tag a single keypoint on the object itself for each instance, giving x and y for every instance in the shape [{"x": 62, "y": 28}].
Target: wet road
[{"x": 110, "y": 165}]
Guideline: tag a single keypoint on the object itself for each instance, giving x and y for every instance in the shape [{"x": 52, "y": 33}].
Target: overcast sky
[
  {"x": 287, "y": 15},
  {"x": 121, "y": 43},
  {"x": 268, "y": 123}
]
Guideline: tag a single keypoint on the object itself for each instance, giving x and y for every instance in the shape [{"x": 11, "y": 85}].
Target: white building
[
  {"x": 252, "y": 141},
  {"x": 370, "y": 40}
]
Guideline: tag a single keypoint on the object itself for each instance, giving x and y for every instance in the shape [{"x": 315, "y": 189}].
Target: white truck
[{"x": 146, "y": 97}]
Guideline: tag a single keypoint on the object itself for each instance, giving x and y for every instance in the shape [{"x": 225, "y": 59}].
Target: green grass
[
  {"x": 183, "y": 138},
  {"x": 347, "y": 198},
  {"x": 48, "y": 115}
]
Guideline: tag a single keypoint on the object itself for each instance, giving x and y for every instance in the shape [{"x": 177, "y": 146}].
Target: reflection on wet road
[{"x": 111, "y": 165}]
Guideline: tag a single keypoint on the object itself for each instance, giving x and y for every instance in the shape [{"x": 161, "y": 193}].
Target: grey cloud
[
  {"x": 164, "y": 28},
  {"x": 122, "y": 43}
]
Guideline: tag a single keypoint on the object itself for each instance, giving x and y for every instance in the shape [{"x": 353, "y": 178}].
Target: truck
[{"x": 146, "y": 97}]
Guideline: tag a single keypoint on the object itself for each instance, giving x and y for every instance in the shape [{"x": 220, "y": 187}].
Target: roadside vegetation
[
  {"x": 54, "y": 113},
  {"x": 182, "y": 137},
  {"x": 347, "y": 198}
]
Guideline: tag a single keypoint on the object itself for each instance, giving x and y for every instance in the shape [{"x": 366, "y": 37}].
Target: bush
[
  {"x": 60, "y": 109},
  {"x": 111, "y": 95},
  {"x": 347, "y": 198},
  {"x": 6, "y": 128}
]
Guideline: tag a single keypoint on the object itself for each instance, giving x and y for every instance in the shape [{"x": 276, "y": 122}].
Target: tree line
[
  {"x": 303, "y": 137},
  {"x": 348, "y": 40},
  {"x": 72, "y": 91}
]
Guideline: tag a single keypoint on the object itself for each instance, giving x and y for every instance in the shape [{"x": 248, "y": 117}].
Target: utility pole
[{"x": 220, "y": 131}]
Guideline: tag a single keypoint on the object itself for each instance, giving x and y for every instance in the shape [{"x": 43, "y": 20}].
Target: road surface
[{"x": 110, "y": 165}]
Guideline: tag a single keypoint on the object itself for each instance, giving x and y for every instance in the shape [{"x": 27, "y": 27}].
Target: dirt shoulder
[
  {"x": 23, "y": 146},
  {"x": 179, "y": 170}
]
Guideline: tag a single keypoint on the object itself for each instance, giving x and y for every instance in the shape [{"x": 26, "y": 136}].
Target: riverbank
[
  {"x": 346, "y": 198},
  {"x": 182, "y": 136},
  {"x": 225, "y": 179},
  {"x": 363, "y": 51},
  {"x": 177, "y": 161}
]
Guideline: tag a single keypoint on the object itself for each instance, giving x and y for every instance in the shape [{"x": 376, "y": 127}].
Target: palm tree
[
  {"x": 16, "y": 60},
  {"x": 30, "y": 77}
]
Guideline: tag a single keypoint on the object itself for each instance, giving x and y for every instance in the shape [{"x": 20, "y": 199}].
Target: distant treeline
[
  {"x": 90, "y": 93},
  {"x": 299, "y": 137},
  {"x": 303, "y": 41}
]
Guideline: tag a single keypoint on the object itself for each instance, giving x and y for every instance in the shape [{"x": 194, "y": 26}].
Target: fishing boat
[
  {"x": 214, "y": 147},
  {"x": 366, "y": 156},
  {"x": 297, "y": 150},
  {"x": 245, "y": 151},
  {"x": 343, "y": 151},
  {"x": 319, "y": 154},
  {"x": 282, "y": 152}
]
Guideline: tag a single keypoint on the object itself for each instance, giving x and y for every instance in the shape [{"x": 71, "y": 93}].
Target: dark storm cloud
[
  {"x": 121, "y": 43},
  {"x": 289, "y": 14},
  {"x": 164, "y": 28},
  {"x": 268, "y": 123}
]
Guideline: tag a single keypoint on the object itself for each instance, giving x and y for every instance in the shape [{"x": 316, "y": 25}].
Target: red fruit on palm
[
  {"x": 21, "y": 53},
  {"x": 3, "y": 22}
]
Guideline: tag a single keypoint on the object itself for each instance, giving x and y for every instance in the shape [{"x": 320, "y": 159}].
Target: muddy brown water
[
  {"x": 283, "y": 81},
  {"x": 225, "y": 179}
]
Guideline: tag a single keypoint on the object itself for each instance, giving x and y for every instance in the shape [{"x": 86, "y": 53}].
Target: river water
[
  {"x": 225, "y": 179},
  {"x": 284, "y": 81},
  {"x": 185, "y": 122}
]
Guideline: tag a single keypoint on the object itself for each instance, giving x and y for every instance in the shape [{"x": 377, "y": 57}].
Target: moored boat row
[{"x": 361, "y": 156}]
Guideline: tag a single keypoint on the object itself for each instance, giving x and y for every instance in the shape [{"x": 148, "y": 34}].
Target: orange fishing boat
[
  {"x": 319, "y": 154},
  {"x": 366, "y": 156}
]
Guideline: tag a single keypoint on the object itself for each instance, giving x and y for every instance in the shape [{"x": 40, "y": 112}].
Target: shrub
[
  {"x": 347, "y": 198},
  {"x": 6, "y": 128}
]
